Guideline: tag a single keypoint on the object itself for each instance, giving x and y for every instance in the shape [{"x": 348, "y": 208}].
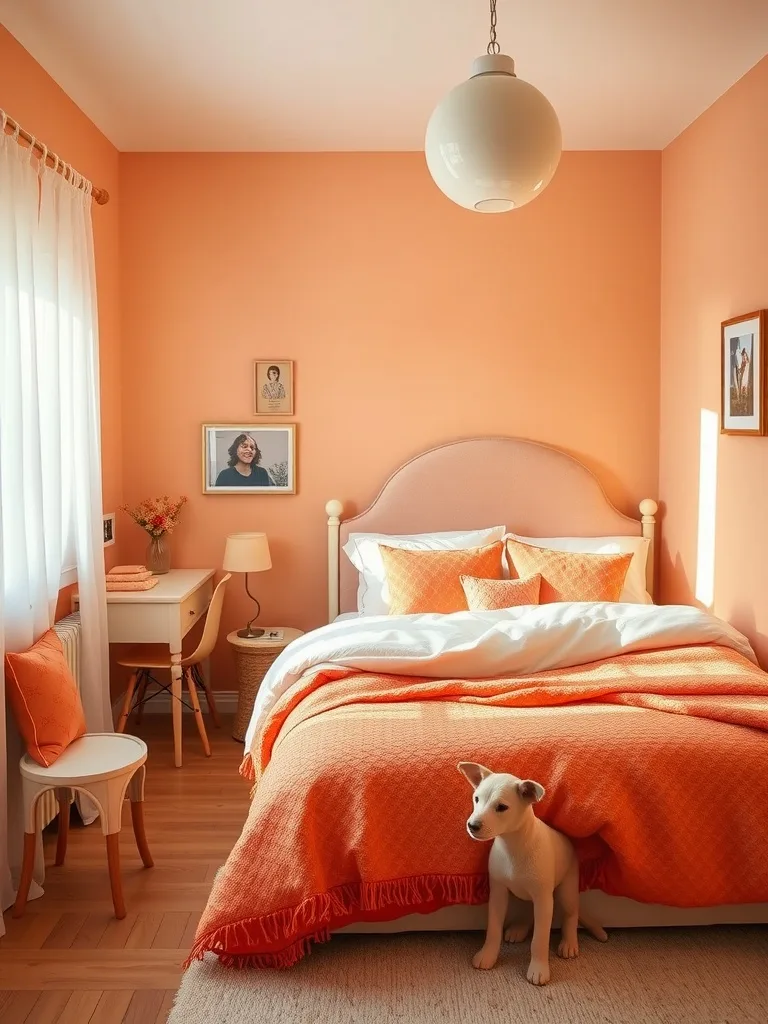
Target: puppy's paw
[
  {"x": 517, "y": 933},
  {"x": 538, "y": 972},
  {"x": 485, "y": 959},
  {"x": 568, "y": 948}
]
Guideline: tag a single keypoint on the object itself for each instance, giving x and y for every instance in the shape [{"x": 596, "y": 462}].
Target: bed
[{"x": 646, "y": 725}]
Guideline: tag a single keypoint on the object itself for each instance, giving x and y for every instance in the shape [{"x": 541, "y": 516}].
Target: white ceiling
[{"x": 365, "y": 74}]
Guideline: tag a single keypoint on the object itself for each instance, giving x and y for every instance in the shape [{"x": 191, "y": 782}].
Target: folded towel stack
[
  {"x": 131, "y": 577},
  {"x": 129, "y": 574}
]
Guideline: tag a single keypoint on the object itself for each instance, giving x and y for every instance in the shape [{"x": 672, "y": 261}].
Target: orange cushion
[
  {"x": 430, "y": 581},
  {"x": 570, "y": 575},
  {"x": 489, "y": 595},
  {"x": 44, "y": 699}
]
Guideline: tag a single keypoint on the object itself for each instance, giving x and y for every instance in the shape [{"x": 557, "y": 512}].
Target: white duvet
[{"x": 473, "y": 645}]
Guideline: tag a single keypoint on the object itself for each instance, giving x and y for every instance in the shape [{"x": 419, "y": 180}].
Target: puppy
[{"x": 528, "y": 859}]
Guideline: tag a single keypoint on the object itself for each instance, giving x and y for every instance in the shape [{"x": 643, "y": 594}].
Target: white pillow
[
  {"x": 362, "y": 549},
  {"x": 634, "y": 590}
]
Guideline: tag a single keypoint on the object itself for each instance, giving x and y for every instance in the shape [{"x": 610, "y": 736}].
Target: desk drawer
[{"x": 195, "y": 606}]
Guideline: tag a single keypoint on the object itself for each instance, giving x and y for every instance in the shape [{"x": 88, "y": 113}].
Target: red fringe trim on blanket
[
  {"x": 246, "y": 768},
  {"x": 315, "y": 918}
]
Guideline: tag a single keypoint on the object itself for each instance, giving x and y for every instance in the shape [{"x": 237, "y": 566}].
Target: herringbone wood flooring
[{"x": 68, "y": 960}]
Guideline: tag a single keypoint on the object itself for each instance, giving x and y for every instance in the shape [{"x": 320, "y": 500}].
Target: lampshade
[
  {"x": 494, "y": 142},
  {"x": 247, "y": 552}
]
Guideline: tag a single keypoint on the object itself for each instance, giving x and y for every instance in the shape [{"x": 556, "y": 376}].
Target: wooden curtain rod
[{"x": 100, "y": 195}]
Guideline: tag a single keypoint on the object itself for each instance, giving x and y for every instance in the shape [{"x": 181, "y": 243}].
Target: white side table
[
  {"x": 253, "y": 658},
  {"x": 104, "y": 765}
]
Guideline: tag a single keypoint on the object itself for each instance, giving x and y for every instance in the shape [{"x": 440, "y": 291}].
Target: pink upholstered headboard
[{"x": 529, "y": 487}]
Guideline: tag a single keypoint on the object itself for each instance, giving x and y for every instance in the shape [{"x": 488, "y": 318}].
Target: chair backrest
[{"x": 211, "y": 628}]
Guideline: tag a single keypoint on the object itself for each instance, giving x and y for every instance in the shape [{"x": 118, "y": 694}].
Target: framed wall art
[
  {"x": 742, "y": 375},
  {"x": 109, "y": 529},
  {"x": 273, "y": 387},
  {"x": 249, "y": 458}
]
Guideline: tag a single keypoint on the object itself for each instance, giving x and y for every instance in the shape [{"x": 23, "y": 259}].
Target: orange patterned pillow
[
  {"x": 570, "y": 575},
  {"x": 430, "y": 581},
  {"x": 44, "y": 699},
  {"x": 490, "y": 595}
]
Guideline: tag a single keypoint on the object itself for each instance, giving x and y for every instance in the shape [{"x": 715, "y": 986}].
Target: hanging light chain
[{"x": 493, "y": 46}]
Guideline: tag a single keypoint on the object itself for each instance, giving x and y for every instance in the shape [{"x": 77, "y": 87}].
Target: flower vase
[{"x": 158, "y": 555}]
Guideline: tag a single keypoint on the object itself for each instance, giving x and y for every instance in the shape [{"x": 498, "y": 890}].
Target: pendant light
[{"x": 494, "y": 142}]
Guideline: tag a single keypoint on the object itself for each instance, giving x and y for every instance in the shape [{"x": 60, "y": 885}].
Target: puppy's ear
[
  {"x": 530, "y": 791},
  {"x": 474, "y": 773}
]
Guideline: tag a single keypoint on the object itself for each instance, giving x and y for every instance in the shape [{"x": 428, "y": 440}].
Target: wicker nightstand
[{"x": 253, "y": 658}]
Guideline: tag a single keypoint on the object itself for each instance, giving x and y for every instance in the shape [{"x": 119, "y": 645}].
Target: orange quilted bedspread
[{"x": 656, "y": 764}]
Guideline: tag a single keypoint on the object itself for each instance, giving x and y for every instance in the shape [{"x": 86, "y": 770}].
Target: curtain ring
[
  {"x": 5, "y": 120},
  {"x": 44, "y": 157}
]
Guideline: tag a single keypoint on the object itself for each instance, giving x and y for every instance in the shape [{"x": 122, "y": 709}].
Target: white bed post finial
[
  {"x": 648, "y": 510},
  {"x": 333, "y": 510}
]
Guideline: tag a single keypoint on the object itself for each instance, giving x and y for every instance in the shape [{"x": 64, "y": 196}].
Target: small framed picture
[
  {"x": 273, "y": 387},
  {"x": 742, "y": 376},
  {"x": 109, "y": 529},
  {"x": 249, "y": 458}
]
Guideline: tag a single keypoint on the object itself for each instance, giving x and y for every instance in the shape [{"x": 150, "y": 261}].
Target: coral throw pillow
[
  {"x": 570, "y": 575},
  {"x": 430, "y": 581},
  {"x": 44, "y": 699},
  {"x": 490, "y": 595}
]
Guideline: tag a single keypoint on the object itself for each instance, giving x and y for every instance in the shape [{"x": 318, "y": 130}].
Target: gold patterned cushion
[
  {"x": 430, "y": 581},
  {"x": 490, "y": 595},
  {"x": 569, "y": 575}
]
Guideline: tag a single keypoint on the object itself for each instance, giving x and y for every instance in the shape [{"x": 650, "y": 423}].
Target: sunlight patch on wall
[{"x": 705, "y": 557}]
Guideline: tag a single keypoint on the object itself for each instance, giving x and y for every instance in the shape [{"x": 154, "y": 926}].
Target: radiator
[{"x": 68, "y": 631}]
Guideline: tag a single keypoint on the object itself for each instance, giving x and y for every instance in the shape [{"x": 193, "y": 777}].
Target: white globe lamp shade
[{"x": 494, "y": 142}]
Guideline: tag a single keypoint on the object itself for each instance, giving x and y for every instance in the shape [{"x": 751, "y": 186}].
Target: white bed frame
[{"x": 535, "y": 490}]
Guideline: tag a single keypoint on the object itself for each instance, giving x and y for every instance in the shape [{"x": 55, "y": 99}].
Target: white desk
[{"x": 162, "y": 615}]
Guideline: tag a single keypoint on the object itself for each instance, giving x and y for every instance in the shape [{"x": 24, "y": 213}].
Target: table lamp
[{"x": 247, "y": 552}]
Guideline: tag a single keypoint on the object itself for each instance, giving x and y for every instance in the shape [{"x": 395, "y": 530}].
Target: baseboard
[{"x": 226, "y": 703}]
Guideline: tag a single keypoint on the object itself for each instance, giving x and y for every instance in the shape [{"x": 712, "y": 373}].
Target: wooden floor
[{"x": 68, "y": 960}]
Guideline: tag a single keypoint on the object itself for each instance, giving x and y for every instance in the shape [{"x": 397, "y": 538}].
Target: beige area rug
[{"x": 716, "y": 975}]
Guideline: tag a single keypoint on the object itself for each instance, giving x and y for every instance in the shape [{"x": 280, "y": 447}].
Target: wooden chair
[
  {"x": 105, "y": 766},
  {"x": 142, "y": 658}
]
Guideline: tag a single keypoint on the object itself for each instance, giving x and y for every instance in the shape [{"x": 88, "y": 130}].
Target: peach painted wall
[
  {"x": 411, "y": 322},
  {"x": 714, "y": 267},
  {"x": 30, "y": 95}
]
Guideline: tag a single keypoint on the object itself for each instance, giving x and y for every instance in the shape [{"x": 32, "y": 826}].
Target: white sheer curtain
[{"x": 50, "y": 463}]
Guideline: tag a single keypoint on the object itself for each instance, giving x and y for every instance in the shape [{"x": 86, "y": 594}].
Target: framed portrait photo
[
  {"x": 273, "y": 387},
  {"x": 742, "y": 377},
  {"x": 249, "y": 458}
]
